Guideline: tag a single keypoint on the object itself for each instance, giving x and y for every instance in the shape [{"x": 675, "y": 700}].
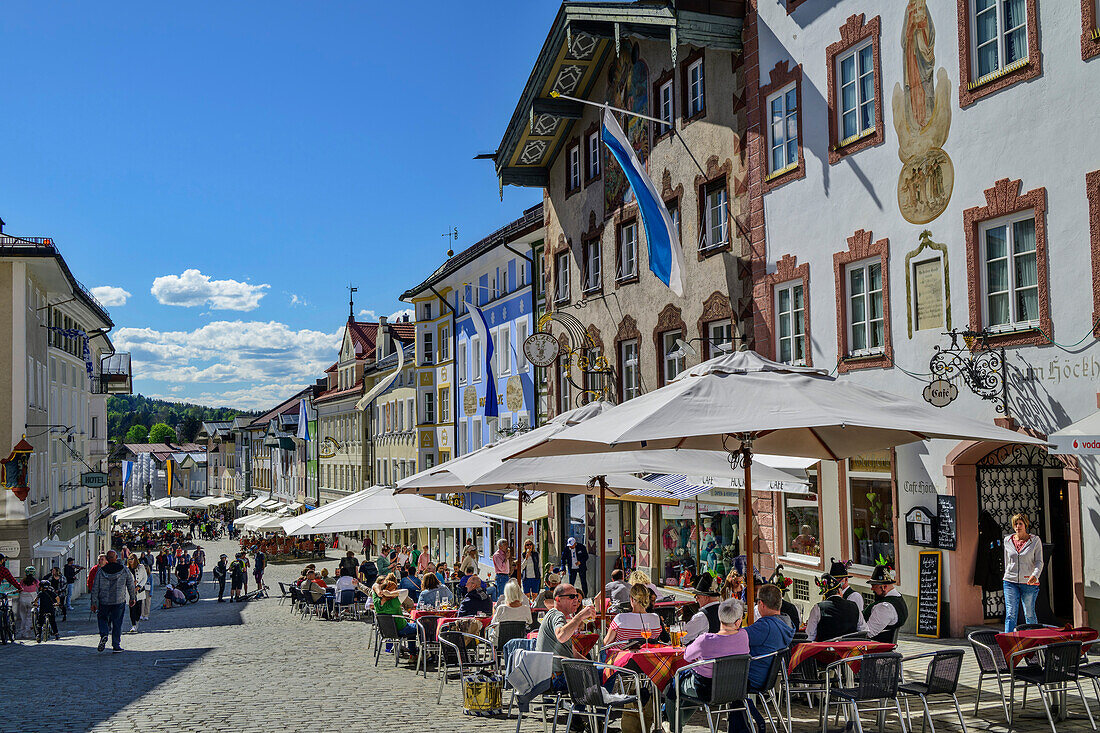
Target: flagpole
[{"x": 671, "y": 127}]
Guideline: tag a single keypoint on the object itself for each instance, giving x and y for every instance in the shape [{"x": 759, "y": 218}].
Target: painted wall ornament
[
  {"x": 922, "y": 119},
  {"x": 628, "y": 88},
  {"x": 15, "y": 469}
]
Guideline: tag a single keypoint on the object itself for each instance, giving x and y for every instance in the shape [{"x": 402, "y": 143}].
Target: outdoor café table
[
  {"x": 582, "y": 642},
  {"x": 449, "y": 613},
  {"x": 827, "y": 652},
  {"x": 657, "y": 662},
  {"x": 1019, "y": 641}
]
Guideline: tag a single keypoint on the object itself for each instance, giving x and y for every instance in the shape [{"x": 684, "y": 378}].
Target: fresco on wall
[
  {"x": 922, "y": 118},
  {"x": 628, "y": 88}
]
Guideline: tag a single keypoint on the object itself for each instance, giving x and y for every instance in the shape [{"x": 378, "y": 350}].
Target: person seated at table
[
  {"x": 441, "y": 572},
  {"x": 383, "y": 563},
  {"x": 708, "y": 596},
  {"x": 469, "y": 561},
  {"x": 561, "y": 624},
  {"x": 434, "y": 593},
  {"x": 409, "y": 583},
  {"x": 635, "y": 623},
  {"x": 545, "y": 599},
  {"x": 839, "y": 570},
  {"x": 512, "y": 607},
  {"x": 368, "y": 572},
  {"x": 639, "y": 576},
  {"x": 347, "y": 587},
  {"x": 734, "y": 586},
  {"x": 833, "y": 616},
  {"x": 769, "y": 633},
  {"x": 617, "y": 591},
  {"x": 728, "y": 640},
  {"x": 888, "y": 612},
  {"x": 476, "y": 601},
  {"x": 783, "y": 583},
  {"x": 388, "y": 603}
]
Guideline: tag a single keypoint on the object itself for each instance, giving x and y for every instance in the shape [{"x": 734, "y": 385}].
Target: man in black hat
[
  {"x": 833, "y": 616},
  {"x": 887, "y": 614},
  {"x": 839, "y": 571},
  {"x": 788, "y": 610},
  {"x": 706, "y": 595}
]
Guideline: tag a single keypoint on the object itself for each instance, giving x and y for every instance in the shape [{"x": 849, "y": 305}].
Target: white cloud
[
  {"x": 367, "y": 315},
  {"x": 110, "y": 296},
  {"x": 192, "y": 288},
  {"x": 372, "y": 315},
  {"x": 297, "y": 300}
]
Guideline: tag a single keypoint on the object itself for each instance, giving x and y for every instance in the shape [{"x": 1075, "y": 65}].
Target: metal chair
[
  {"x": 588, "y": 697},
  {"x": 459, "y": 651},
  {"x": 991, "y": 663},
  {"x": 878, "y": 680},
  {"x": 1058, "y": 674},
  {"x": 767, "y": 695},
  {"x": 284, "y": 594},
  {"x": 506, "y": 631},
  {"x": 427, "y": 636},
  {"x": 388, "y": 636},
  {"x": 729, "y": 690},
  {"x": 942, "y": 678}
]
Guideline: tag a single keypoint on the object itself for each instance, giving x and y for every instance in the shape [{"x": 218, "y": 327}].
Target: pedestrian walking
[
  {"x": 1023, "y": 554},
  {"x": 162, "y": 567},
  {"x": 238, "y": 573},
  {"x": 100, "y": 562},
  {"x": 258, "y": 571},
  {"x": 112, "y": 590},
  {"x": 141, "y": 580},
  {"x": 220, "y": 571},
  {"x": 199, "y": 558},
  {"x": 70, "y": 572}
]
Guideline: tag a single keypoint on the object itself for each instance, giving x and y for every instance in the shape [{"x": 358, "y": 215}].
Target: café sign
[{"x": 940, "y": 393}]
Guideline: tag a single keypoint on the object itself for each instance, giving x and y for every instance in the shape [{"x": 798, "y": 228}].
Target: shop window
[
  {"x": 872, "y": 504},
  {"x": 715, "y": 539},
  {"x": 802, "y": 517}
]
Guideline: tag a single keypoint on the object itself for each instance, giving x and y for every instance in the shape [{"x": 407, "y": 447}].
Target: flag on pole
[
  {"x": 303, "y": 420},
  {"x": 127, "y": 471},
  {"x": 170, "y": 465},
  {"x": 482, "y": 328},
  {"x": 665, "y": 256}
]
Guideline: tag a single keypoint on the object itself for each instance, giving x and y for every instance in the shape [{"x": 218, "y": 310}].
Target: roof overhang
[{"x": 583, "y": 36}]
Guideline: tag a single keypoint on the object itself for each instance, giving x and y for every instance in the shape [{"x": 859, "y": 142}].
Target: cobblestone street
[{"x": 256, "y": 667}]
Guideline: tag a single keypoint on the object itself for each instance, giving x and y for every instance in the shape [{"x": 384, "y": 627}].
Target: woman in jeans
[{"x": 1023, "y": 566}]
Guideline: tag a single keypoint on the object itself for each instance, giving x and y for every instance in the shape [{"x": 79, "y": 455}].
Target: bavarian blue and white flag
[
  {"x": 665, "y": 256},
  {"x": 127, "y": 471},
  {"x": 303, "y": 420},
  {"x": 482, "y": 328}
]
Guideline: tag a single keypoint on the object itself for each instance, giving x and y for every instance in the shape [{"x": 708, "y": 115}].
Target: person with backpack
[
  {"x": 112, "y": 590},
  {"x": 238, "y": 573}
]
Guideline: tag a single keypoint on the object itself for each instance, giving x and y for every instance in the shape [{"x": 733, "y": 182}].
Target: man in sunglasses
[{"x": 562, "y": 622}]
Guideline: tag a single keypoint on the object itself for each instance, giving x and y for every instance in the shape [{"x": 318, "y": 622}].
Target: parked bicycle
[{"x": 7, "y": 620}]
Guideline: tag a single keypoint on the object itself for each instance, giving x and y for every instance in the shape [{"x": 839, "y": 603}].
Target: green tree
[
  {"x": 136, "y": 434},
  {"x": 162, "y": 433}
]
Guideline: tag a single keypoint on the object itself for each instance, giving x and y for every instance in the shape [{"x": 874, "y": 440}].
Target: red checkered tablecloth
[
  {"x": 582, "y": 643},
  {"x": 1018, "y": 641},
  {"x": 827, "y": 652},
  {"x": 658, "y": 663}
]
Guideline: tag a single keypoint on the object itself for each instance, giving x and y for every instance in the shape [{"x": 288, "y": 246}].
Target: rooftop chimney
[{"x": 382, "y": 320}]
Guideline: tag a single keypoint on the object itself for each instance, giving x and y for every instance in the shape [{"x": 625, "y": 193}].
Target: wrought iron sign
[
  {"x": 976, "y": 364},
  {"x": 578, "y": 353}
]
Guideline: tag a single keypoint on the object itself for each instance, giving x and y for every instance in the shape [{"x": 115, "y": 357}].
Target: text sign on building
[
  {"x": 93, "y": 480},
  {"x": 940, "y": 393},
  {"x": 1081, "y": 445},
  {"x": 541, "y": 349}
]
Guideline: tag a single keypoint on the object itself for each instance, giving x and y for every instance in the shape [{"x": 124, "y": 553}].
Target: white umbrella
[
  {"x": 379, "y": 508},
  {"x": 740, "y": 403},
  {"x": 210, "y": 501},
  {"x": 249, "y": 523},
  {"x": 268, "y": 523},
  {"x": 177, "y": 502},
  {"x": 146, "y": 513}
]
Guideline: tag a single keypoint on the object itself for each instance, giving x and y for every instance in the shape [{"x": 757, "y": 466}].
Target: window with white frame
[
  {"x": 445, "y": 343},
  {"x": 521, "y": 277},
  {"x": 429, "y": 348},
  {"x": 593, "y": 155},
  {"x": 998, "y": 35},
  {"x": 504, "y": 426},
  {"x": 695, "y": 88},
  {"x": 628, "y": 359},
  {"x": 866, "y": 322},
  {"x": 521, "y": 338},
  {"x": 592, "y": 279},
  {"x": 565, "y": 401},
  {"x": 462, "y": 362},
  {"x": 790, "y": 319},
  {"x": 429, "y": 408},
  {"x": 476, "y": 363},
  {"x": 561, "y": 277},
  {"x": 783, "y": 129},
  {"x": 400, "y": 417},
  {"x": 463, "y": 444},
  {"x": 666, "y": 108},
  {"x": 856, "y": 95},
  {"x": 503, "y": 349},
  {"x": 715, "y": 215},
  {"x": 1010, "y": 277},
  {"x": 719, "y": 337},
  {"x": 574, "y": 167},
  {"x": 444, "y": 404},
  {"x": 476, "y": 436},
  {"x": 628, "y": 251},
  {"x": 673, "y": 206},
  {"x": 426, "y": 310},
  {"x": 672, "y": 359},
  {"x": 411, "y": 410}
]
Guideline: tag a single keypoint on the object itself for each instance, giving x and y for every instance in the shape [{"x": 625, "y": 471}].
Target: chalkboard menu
[
  {"x": 945, "y": 522},
  {"x": 928, "y": 594}
]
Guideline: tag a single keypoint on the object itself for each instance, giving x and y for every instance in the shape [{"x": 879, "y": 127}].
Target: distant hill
[{"x": 125, "y": 411}]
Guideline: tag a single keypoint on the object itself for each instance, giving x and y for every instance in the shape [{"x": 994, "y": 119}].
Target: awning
[
  {"x": 295, "y": 506},
  {"x": 286, "y": 443},
  {"x": 51, "y": 548},
  {"x": 509, "y": 510},
  {"x": 1080, "y": 438},
  {"x": 270, "y": 504},
  {"x": 215, "y": 500},
  {"x": 252, "y": 503}
]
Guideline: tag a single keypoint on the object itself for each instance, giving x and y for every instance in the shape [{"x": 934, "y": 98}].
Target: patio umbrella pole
[
  {"x": 603, "y": 555},
  {"x": 750, "y": 576},
  {"x": 520, "y": 534}
]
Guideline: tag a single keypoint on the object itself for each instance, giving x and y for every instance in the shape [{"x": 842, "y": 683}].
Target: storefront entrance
[{"x": 1026, "y": 479}]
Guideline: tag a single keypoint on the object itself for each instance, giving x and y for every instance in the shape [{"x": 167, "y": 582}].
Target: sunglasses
[{"x": 569, "y": 595}]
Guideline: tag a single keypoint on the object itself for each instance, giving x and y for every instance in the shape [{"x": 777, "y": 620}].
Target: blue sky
[{"x": 222, "y": 170}]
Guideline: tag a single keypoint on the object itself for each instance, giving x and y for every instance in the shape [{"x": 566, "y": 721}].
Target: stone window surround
[
  {"x": 861, "y": 246},
  {"x": 695, "y": 55},
  {"x": 593, "y": 129},
  {"x": 787, "y": 269},
  {"x": 622, "y": 219},
  {"x": 702, "y": 182},
  {"x": 669, "y": 319},
  {"x": 1030, "y": 70},
  {"x": 715, "y": 308},
  {"x": 563, "y": 247},
  {"x": 854, "y": 31},
  {"x": 574, "y": 143},
  {"x": 673, "y": 197},
  {"x": 1003, "y": 199},
  {"x": 1092, "y": 190},
  {"x": 781, "y": 76},
  {"x": 665, "y": 77},
  {"x": 628, "y": 330},
  {"x": 1090, "y": 30}
]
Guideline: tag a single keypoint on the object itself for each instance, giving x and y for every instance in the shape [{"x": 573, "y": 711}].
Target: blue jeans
[
  {"x": 1015, "y": 594},
  {"x": 110, "y": 622},
  {"x": 531, "y": 585},
  {"x": 502, "y": 580},
  {"x": 69, "y": 595}
]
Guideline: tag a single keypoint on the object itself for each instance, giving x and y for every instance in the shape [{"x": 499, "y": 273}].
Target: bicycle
[{"x": 7, "y": 621}]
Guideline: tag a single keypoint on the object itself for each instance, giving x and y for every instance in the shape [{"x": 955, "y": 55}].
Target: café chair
[
  {"x": 284, "y": 594},
  {"x": 587, "y": 695},
  {"x": 729, "y": 691},
  {"x": 942, "y": 678},
  {"x": 506, "y": 631},
  {"x": 991, "y": 663},
  {"x": 427, "y": 638},
  {"x": 1056, "y": 676},
  {"x": 460, "y": 652},
  {"x": 878, "y": 681},
  {"x": 767, "y": 695},
  {"x": 389, "y": 640}
]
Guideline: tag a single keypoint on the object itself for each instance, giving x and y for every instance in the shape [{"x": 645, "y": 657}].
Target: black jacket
[
  {"x": 567, "y": 558},
  {"x": 220, "y": 570}
]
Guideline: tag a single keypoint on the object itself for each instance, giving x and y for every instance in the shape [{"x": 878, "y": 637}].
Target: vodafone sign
[{"x": 1081, "y": 445}]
